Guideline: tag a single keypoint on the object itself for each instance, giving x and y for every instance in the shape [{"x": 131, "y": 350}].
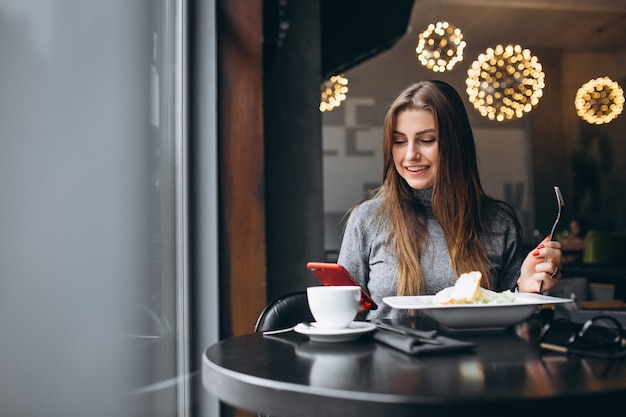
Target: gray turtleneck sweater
[{"x": 365, "y": 254}]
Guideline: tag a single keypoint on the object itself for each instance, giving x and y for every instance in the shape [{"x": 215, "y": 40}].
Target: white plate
[
  {"x": 472, "y": 317},
  {"x": 355, "y": 330}
]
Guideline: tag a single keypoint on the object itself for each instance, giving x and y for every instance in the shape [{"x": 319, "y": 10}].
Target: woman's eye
[{"x": 398, "y": 140}]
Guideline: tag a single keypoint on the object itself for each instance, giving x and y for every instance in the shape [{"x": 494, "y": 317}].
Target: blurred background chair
[
  {"x": 605, "y": 248},
  {"x": 284, "y": 312}
]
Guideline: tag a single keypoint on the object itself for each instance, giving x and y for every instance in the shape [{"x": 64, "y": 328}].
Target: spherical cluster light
[
  {"x": 599, "y": 101},
  {"x": 505, "y": 82},
  {"x": 334, "y": 91},
  {"x": 440, "y": 46}
]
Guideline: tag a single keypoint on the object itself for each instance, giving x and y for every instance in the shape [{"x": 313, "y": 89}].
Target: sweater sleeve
[{"x": 506, "y": 251}]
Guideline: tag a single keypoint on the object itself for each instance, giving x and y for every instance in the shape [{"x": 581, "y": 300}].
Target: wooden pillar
[
  {"x": 241, "y": 167},
  {"x": 242, "y": 261}
]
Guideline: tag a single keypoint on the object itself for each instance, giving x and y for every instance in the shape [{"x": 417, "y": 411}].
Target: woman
[
  {"x": 431, "y": 221},
  {"x": 574, "y": 243}
]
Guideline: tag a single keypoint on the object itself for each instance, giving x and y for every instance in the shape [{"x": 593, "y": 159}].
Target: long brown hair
[{"x": 457, "y": 192}]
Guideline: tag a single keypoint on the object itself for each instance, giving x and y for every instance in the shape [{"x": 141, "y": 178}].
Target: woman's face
[
  {"x": 416, "y": 148},
  {"x": 574, "y": 228}
]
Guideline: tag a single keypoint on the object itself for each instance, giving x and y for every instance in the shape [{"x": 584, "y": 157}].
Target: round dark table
[{"x": 505, "y": 375}]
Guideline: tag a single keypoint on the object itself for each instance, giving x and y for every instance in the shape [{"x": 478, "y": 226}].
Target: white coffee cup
[{"x": 334, "y": 307}]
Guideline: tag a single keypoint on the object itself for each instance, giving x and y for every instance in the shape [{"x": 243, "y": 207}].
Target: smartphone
[{"x": 335, "y": 274}]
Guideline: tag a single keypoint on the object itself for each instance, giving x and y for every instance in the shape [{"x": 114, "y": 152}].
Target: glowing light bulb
[{"x": 505, "y": 82}]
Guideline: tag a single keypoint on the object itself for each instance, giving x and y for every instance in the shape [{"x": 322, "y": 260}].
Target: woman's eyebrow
[{"x": 430, "y": 130}]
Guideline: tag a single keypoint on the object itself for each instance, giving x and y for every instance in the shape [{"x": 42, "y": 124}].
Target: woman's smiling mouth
[{"x": 416, "y": 169}]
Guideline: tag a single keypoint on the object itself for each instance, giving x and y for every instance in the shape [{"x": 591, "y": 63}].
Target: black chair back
[{"x": 284, "y": 312}]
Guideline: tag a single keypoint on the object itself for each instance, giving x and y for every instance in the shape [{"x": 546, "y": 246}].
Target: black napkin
[{"x": 413, "y": 346}]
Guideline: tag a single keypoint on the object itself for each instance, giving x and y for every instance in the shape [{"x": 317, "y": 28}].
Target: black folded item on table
[{"x": 415, "y": 346}]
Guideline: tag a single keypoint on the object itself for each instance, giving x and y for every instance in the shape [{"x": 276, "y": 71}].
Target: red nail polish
[
  {"x": 535, "y": 253},
  {"x": 541, "y": 246}
]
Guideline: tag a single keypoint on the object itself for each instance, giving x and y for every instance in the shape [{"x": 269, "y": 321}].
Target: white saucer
[{"x": 355, "y": 330}]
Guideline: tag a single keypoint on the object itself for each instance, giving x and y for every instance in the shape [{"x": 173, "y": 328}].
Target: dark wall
[
  {"x": 547, "y": 151},
  {"x": 293, "y": 145}
]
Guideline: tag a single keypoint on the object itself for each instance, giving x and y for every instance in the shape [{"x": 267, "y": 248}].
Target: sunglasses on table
[{"x": 601, "y": 336}]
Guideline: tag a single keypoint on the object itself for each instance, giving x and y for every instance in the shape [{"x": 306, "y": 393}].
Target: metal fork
[{"x": 560, "y": 203}]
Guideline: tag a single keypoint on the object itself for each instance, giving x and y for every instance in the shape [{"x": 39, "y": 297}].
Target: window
[{"x": 95, "y": 303}]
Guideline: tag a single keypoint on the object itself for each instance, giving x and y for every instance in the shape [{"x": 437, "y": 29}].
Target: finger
[
  {"x": 552, "y": 278},
  {"x": 552, "y": 255},
  {"x": 552, "y": 244},
  {"x": 547, "y": 270}
]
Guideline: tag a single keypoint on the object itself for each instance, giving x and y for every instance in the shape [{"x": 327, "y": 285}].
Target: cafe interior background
[
  {"x": 140, "y": 220},
  {"x": 521, "y": 158}
]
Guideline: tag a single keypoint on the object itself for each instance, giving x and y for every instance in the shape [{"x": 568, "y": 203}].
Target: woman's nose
[{"x": 412, "y": 151}]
